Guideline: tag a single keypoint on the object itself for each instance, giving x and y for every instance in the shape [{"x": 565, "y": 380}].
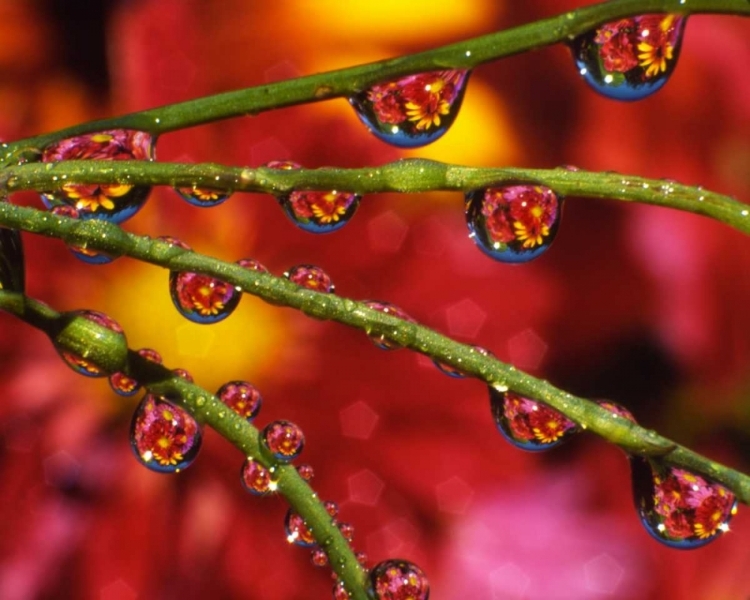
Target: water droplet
[
  {"x": 184, "y": 374},
  {"x": 80, "y": 252},
  {"x": 316, "y": 211},
  {"x": 339, "y": 591},
  {"x": 12, "y": 269},
  {"x": 242, "y": 397},
  {"x": 306, "y": 472},
  {"x": 203, "y": 197},
  {"x": 347, "y": 530},
  {"x": 112, "y": 202},
  {"x": 284, "y": 439},
  {"x": 127, "y": 386},
  {"x": 164, "y": 436},
  {"x": 297, "y": 531},
  {"x": 448, "y": 369},
  {"x": 201, "y": 298},
  {"x": 514, "y": 223},
  {"x": 414, "y": 110},
  {"x": 631, "y": 58},
  {"x": 617, "y": 410},
  {"x": 310, "y": 277},
  {"x": 252, "y": 265},
  {"x": 318, "y": 557},
  {"x": 256, "y": 479},
  {"x": 679, "y": 508},
  {"x": 528, "y": 424},
  {"x": 361, "y": 558},
  {"x": 331, "y": 508},
  {"x": 83, "y": 365},
  {"x": 381, "y": 341},
  {"x": 398, "y": 580}
]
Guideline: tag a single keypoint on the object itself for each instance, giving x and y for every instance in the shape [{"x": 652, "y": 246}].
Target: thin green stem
[
  {"x": 106, "y": 349},
  {"x": 108, "y": 238},
  {"x": 404, "y": 176},
  {"x": 349, "y": 81}
]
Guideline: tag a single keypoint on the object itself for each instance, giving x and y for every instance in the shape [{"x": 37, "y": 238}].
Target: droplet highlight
[
  {"x": 399, "y": 580},
  {"x": 678, "y": 508},
  {"x": 631, "y": 58},
  {"x": 284, "y": 440},
  {"x": 164, "y": 437},
  {"x": 311, "y": 277},
  {"x": 414, "y": 110},
  {"x": 242, "y": 397},
  {"x": 513, "y": 223},
  {"x": 529, "y": 424},
  {"x": 111, "y": 202}
]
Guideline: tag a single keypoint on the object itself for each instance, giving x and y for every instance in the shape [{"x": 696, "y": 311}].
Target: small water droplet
[
  {"x": 203, "y": 197},
  {"x": 297, "y": 531},
  {"x": 318, "y": 557},
  {"x": 252, "y": 265},
  {"x": 256, "y": 479},
  {"x": 382, "y": 341},
  {"x": 242, "y": 397},
  {"x": 184, "y": 374},
  {"x": 92, "y": 257},
  {"x": 310, "y": 277},
  {"x": 399, "y": 579},
  {"x": 631, "y": 58},
  {"x": 111, "y": 202},
  {"x": 339, "y": 591},
  {"x": 679, "y": 508},
  {"x": 514, "y": 223},
  {"x": 201, "y": 298},
  {"x": 201, "y": 401},
  {"x": 331, "y": 508},
  {"x": 347, "y": 530},
  {"x": 164, "y": 436},
  {"x": 306, "y": 472},
  {"x": 618, "y": 410},
  {"x": 82, "y": 364},
  {"x": 284, "y": 439},
  {"x": 127, "y": 386},
  {"x": 528, "y": 424},
  {"x": 414, "y": 110},
  {"x": 448, "y": 369}
]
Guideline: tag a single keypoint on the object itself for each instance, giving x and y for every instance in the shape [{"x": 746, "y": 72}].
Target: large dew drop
[
  {"x": 679, "y": 508},
  {"x": 514, "y": 223},
  {"x": 84, "y": 365},
  {"x": 112, "y": 202},
  {"x": 164, "y": 437},
  {"x": 316, "y": 211},
  {"x": 284, "y": 440},
  {"x": 414, "y": 110},
  {"x": 399, "y": 580},
  {"x": 631, "y": 58},
  {"x": 256, "y": 479},
  {"x": 528, "y": 424}
]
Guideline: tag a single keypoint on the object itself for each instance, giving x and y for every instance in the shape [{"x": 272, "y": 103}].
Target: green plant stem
[
  {"x": 104, "y": 348},
  {"x": 633, "y": 439},
  {"x": 405, "y": 176},
  {"x": 348, "y": 81}
]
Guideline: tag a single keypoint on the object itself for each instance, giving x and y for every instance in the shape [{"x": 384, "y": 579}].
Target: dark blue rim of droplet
[
  {"x": 119, "y": 392},
  {"x": 311, "y": 226},
  {"x": 449, "y": 371},
  {"x": 473, "y": 202},
  {"x": 402, "y": 139},
  {"x": 190, "y": 199},
  {"x": 100, "y": 258},
  {"x": 138, "y": 197}
]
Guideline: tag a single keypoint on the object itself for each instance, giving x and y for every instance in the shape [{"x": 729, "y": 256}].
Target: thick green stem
[
  {"x": 346, "y": 82},
  {"x": 108, "y": 238},
  {"x": 83, "y": 337},
  {"x": 404, "y": 176}
]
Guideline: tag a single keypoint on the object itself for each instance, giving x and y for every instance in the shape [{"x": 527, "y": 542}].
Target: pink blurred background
[{"x": 641, "y": 305}]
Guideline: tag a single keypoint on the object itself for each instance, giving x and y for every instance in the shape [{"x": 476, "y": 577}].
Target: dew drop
[
  {"x": 318, "y": 557},
  {"x": 184, "y": 374},
  {"x": 679, "y": 508},
  {"x": 382, "y": 341},
  {"x": 201, "y": 298},
  {"x": 12, "y": 264},
  {"x": 202, "y": 197},
  {"x": 528, "y": 424},
  {"x": 448, "y": 369},
  {"x": 252, "y": 265},
  {"x": 339, "y": 591},
  {"x": 331, "y": 508},
  {"x": 414, "y": 110},
  {"x": 618, "y": 410},
  {"x": 82, "y": 253},
  {"x": 256, "y": 479},
  {"x": 514, "y": 223},
  {"x": 347, "y": 530},
  {"x": 284, "y": 439},
  {"x": 316, "y": 211},
  {"x": 126, "y": 386},
  {"x": 83, "y": 365},
  {"x": 398, "y": 579},
  {"x": 242, "y": 397},
  {"x": 164, "y": 436},
  {"x": 111, "y": 202},
  {"x": 297, "y": 531},
  {"x": 306, "y": 472},
  {"x": 631, "y": 58},
  {"x": 310, "y": 277}
]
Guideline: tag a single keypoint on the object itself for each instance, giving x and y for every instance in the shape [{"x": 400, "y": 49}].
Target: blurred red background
[{"x": 637, "y": 304}]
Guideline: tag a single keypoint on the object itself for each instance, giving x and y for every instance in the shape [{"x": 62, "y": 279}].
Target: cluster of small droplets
[
  {"x": 529, "y": 424},
  {"x": 111, "y": 202},
  {"x": 631, "y": 58},
  {"x": 164, "y": 437},
  {"x": 242, "y": 397},
  {"x": 414, "y": 110},
  {"x": 316, "y": 211},
  {"x": 84, "y": 365},
  {"x": 202, "y": 196},
  {"x": 126, "y": 386},
  {"x": 311, "y": 277},
  {"x": 283, "y": 439},
  {"x": 513, "y": 223},
  {"x": 382, "y": 341}
]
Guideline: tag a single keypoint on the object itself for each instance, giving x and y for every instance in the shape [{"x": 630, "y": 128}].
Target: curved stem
[
  {"x": 103, "y": 347},
  {"x": 345, "y": 82},
  {"x": 404, "y": 176},
  {"x": 108, "y": 238}
]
